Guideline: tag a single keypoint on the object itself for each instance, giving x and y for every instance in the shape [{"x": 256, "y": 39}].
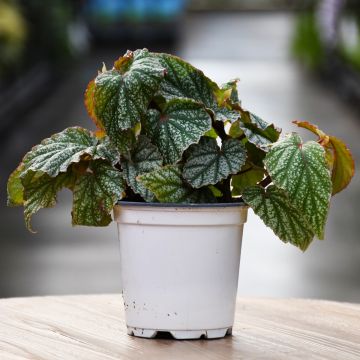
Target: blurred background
[{"x": 296, "y": 60}]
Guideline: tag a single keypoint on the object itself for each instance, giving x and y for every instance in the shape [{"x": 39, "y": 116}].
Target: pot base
[{"x": 181, "y": 334}]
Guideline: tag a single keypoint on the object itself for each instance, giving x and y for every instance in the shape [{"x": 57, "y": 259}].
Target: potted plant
[{"x": 179, "y": 160}]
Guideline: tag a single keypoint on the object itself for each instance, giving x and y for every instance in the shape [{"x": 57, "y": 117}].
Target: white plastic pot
[{"x": 179, "y": 267}]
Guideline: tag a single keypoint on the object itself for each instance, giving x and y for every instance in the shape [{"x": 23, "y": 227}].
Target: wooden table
[{"x": 92, "y": 327}]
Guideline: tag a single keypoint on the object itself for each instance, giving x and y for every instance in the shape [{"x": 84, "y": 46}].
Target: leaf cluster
[{"x": 167, "y": 133}]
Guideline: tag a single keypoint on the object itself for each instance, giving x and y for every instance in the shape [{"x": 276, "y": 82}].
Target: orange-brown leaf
[
  {"x": 89, "y": 101},
  {"x": 323, "y": 138},
  {"x": 344, "y": 166}
]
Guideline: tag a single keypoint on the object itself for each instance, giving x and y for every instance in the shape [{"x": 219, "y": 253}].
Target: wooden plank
[{"x": 92, "y": 327}]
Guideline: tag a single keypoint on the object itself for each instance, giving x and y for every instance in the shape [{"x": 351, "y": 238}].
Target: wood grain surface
[{"x": 92, "y": 327}]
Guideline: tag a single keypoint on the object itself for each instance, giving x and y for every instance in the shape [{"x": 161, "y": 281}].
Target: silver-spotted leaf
[
  {"x": 167, "y": 184},
  {"x": 301, "y": 170},
  {"x": 275, "y": 209},
  {"x": 181, "y": 123},
  {"x": 122, "y": 95},
  {"x": 55, "y": 154},
  {"x": 145, "y": 157},
  {"x": 182, "y": 80},
  {"x": 125, "y": 140},
  {"x": 95, "y": 193},
  {"x": 40, "y": 192},
  {"x": 208, "y": 164},
  {"x": 339, "y": 157}
]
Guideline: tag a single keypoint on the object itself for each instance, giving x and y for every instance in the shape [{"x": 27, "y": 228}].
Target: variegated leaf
[
  {"x": 95, "y": 193},
  {"x": 182, "y": 80},
  {"x": 55, "y": 154},
  {"x": 208, "y": 164},
  {"x": 181, "y": 123},
  {"x": 169, "y": 187},
  {"x": 145, "y": 157},
  {"x": 339, "y": 157},
  {"x": 275, "y": 209},
  {"x": 40, "y": 192},
  {"x": 300, "y": 169},
  {"x": 122, "y": 95},
  {"x": 167, "y": 184},
  {"x": 125, "y": 140}
]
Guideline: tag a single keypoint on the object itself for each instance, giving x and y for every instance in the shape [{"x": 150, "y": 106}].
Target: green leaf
[
  {"x": 255, "y": 155},
  {"x": 145, "y": 157},
  {"x": 211, "y": 133},
  {"x": 125, "y": 140},
  {"x": 228, "y": 92},
  {"x": 183, "y": 80},
  {"x": 208, "y": 164},
  {"x": 40, "y": 192},
  {"x": 215, "y": 191},
  {"x": 122, "y": 95},
  {"x": 301, "y": 170},
  {"x": 203, "y": 195},
  {"x": 249, "y": 176},
  {"x": 257, "y": 131},
  {"x": 15, "y": 189},
  {"x": 339, "y": 157},
  {"x": 167, "y": 184},
  {"x": 169, "y": 187},
  {"x": 224, "y": 114},
  {"x": 235, "y": 130},
  {"x": 274, "y": 208},
  {"x": 181, "y": 123},
  {"x": 55, "y": 154},
  {"x": 95, "y": 194}
]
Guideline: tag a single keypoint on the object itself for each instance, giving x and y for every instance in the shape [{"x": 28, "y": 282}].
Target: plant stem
[
  {"x": 219, "y": 128},
  {"x": 264, "y": 183},
  {"x": 225, "y": 189}
]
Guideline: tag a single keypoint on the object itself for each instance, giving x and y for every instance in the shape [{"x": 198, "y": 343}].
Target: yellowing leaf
[
  {"x": 90, "y": 104},
  {"x": 343, "y": 168},
  {"x": 15, "y": 189}
]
